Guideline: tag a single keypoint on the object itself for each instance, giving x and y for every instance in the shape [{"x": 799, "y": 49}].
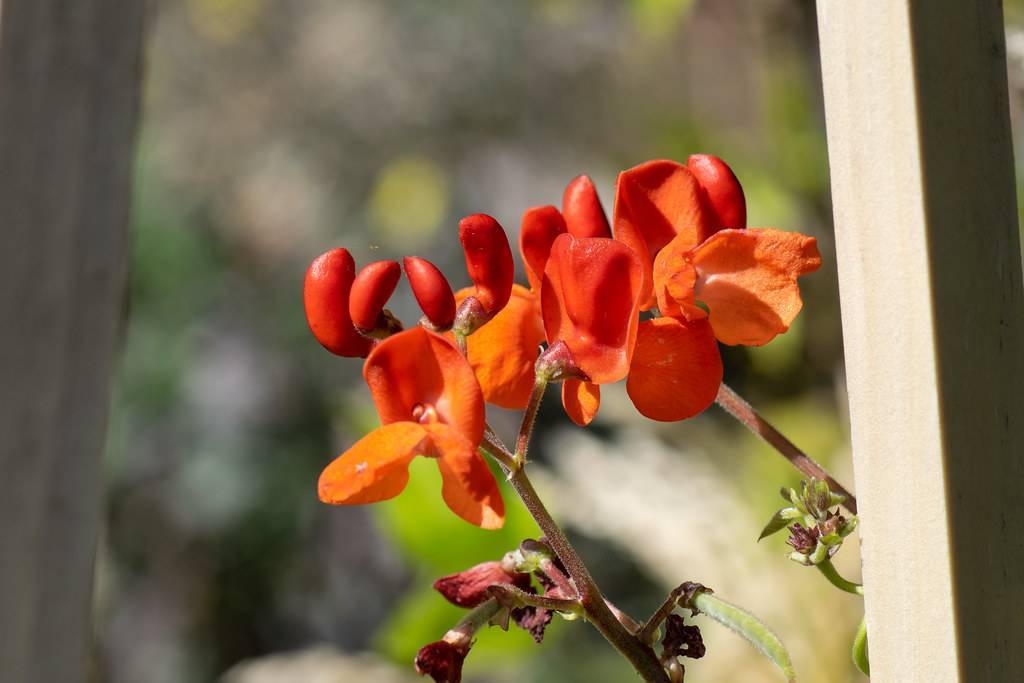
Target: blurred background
[{"x": 277, "y": 129}]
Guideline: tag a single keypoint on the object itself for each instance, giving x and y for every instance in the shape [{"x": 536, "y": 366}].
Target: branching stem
[{"x": 735, "y": 405}]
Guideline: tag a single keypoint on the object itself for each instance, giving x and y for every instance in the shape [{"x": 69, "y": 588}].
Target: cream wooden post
[
  {"x": 933, "y": 321},
  {"x": 69, "y": 97}
]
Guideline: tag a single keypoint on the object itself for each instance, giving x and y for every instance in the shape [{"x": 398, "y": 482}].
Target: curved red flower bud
[
  {"x": 371, "y": 289},
  {"x": 325, "y": 294},
  {"x": 590, "y": 299},
  {"x": 722, "y": 192},
  {"x": 540, "y": 227},
  {"x": 488, "y": 260},
  {"x": 432, "y": 291},
  {"x": 584, "y": 215}
]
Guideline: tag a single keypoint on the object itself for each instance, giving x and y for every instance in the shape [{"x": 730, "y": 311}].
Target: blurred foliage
[{"x": 276, "y": 129}]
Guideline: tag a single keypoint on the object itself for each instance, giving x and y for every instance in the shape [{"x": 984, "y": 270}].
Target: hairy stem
[
  {"x": 735, "y": 405},
  {"x": 641, "y": 656},
  {"x": 649, "y": 632},
  {"x": 529, "y": 418}
]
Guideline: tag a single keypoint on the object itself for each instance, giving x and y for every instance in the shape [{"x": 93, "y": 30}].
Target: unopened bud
[
  {"x": 325, "y": 295},
  {"x": 581, "y": 207},
  {"x": 432, "y": 292},
  {"x": 371, "y": 289},
  {"x": 488, "y": 260},
  {"x": 721, "y": 191}
]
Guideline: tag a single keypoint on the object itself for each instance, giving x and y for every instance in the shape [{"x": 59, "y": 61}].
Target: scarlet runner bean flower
[
  {"x": 686, "y": 225},
  {"x": 430, "y": 404}
]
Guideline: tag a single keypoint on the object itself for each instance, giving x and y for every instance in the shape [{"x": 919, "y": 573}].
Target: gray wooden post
[
  {"x": 69, "y": 99},
  {"x": 933, "y": 324}
]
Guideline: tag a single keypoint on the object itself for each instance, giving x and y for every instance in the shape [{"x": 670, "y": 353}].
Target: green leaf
[
  {"x": 779, "y": 521},
  {"x": 747, "y": 625},
  {"x": 860, "y": 648}
]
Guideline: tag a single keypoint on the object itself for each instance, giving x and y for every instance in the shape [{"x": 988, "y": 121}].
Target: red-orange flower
[
  {"x": 430, "y": 404},
  {"x": 691, "y": 222}
]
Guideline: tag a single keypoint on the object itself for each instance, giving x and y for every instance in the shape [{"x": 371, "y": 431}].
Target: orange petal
[
  {"x": 417, "y": 369},
  {"x": 590, "y": 300},
  {"x": 540, "y": 226},
  {"x": 584, "y": 215},
  {"x": 748, "y": 279},
  {"x": 503, "y": 351},
  {"x": 580, "y": 400},
  {"x": 468, "y": 487},
  {"x": 375, "y": 468},
  {"x": 676, "y": 369},
  {"x": 656, "y": 201},
  {"x": 674, "y": 281}
]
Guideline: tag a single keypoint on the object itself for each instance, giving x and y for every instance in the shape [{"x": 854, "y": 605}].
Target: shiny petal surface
[
  {"x": 584, "y": 215},
  {"x": 469, "y": 488},
  {"x": 748, "y": 279},
  {"x": 325, "y": 295},
  {"x": 590, "y": 300},
  {"x": 488, "y": 260},
  {"x": 581, "y": 400},
  {"x": 432, "y": 291},
  {"x": 722, "y": 193},
  {"x": 371, "y": 290},
  {"x": 375, "y": 468},
  {"x": 676, "y": 369},
  {"x": 418, "y": 368},
  {"x": 540, "y": 227},
  {"x": 503, "y": 352}
]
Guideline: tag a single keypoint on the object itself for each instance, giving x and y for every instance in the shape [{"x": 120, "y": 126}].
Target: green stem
[
  {"x": 860, "y": 648},
  {"x": 511, "y": 596},
  {"x": 735, "y": 405},
  {"x": 829, "y": 571},
  {"x": 472, "y": 622}
]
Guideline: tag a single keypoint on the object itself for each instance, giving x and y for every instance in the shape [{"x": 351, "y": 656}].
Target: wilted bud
[
  {"x": 325, "y": 295},
  {"x": 803, "y": 540},
  {"x": 488, "y": 260},
  {"x": 432, "y": 292},
  {"x": 442, "y": 661},
  {"x": 581, "y": 207},
  {"x": 371, "y": 289},
  {"x": 681, "y": 640},
  {"x": 469, "y": 588}
]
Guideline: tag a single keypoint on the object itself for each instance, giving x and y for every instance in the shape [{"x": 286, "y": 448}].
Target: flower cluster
[{"x": 645, "y": 298}]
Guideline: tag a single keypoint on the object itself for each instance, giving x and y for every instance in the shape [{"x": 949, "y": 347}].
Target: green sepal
[{"x": 779, "y": 521}]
